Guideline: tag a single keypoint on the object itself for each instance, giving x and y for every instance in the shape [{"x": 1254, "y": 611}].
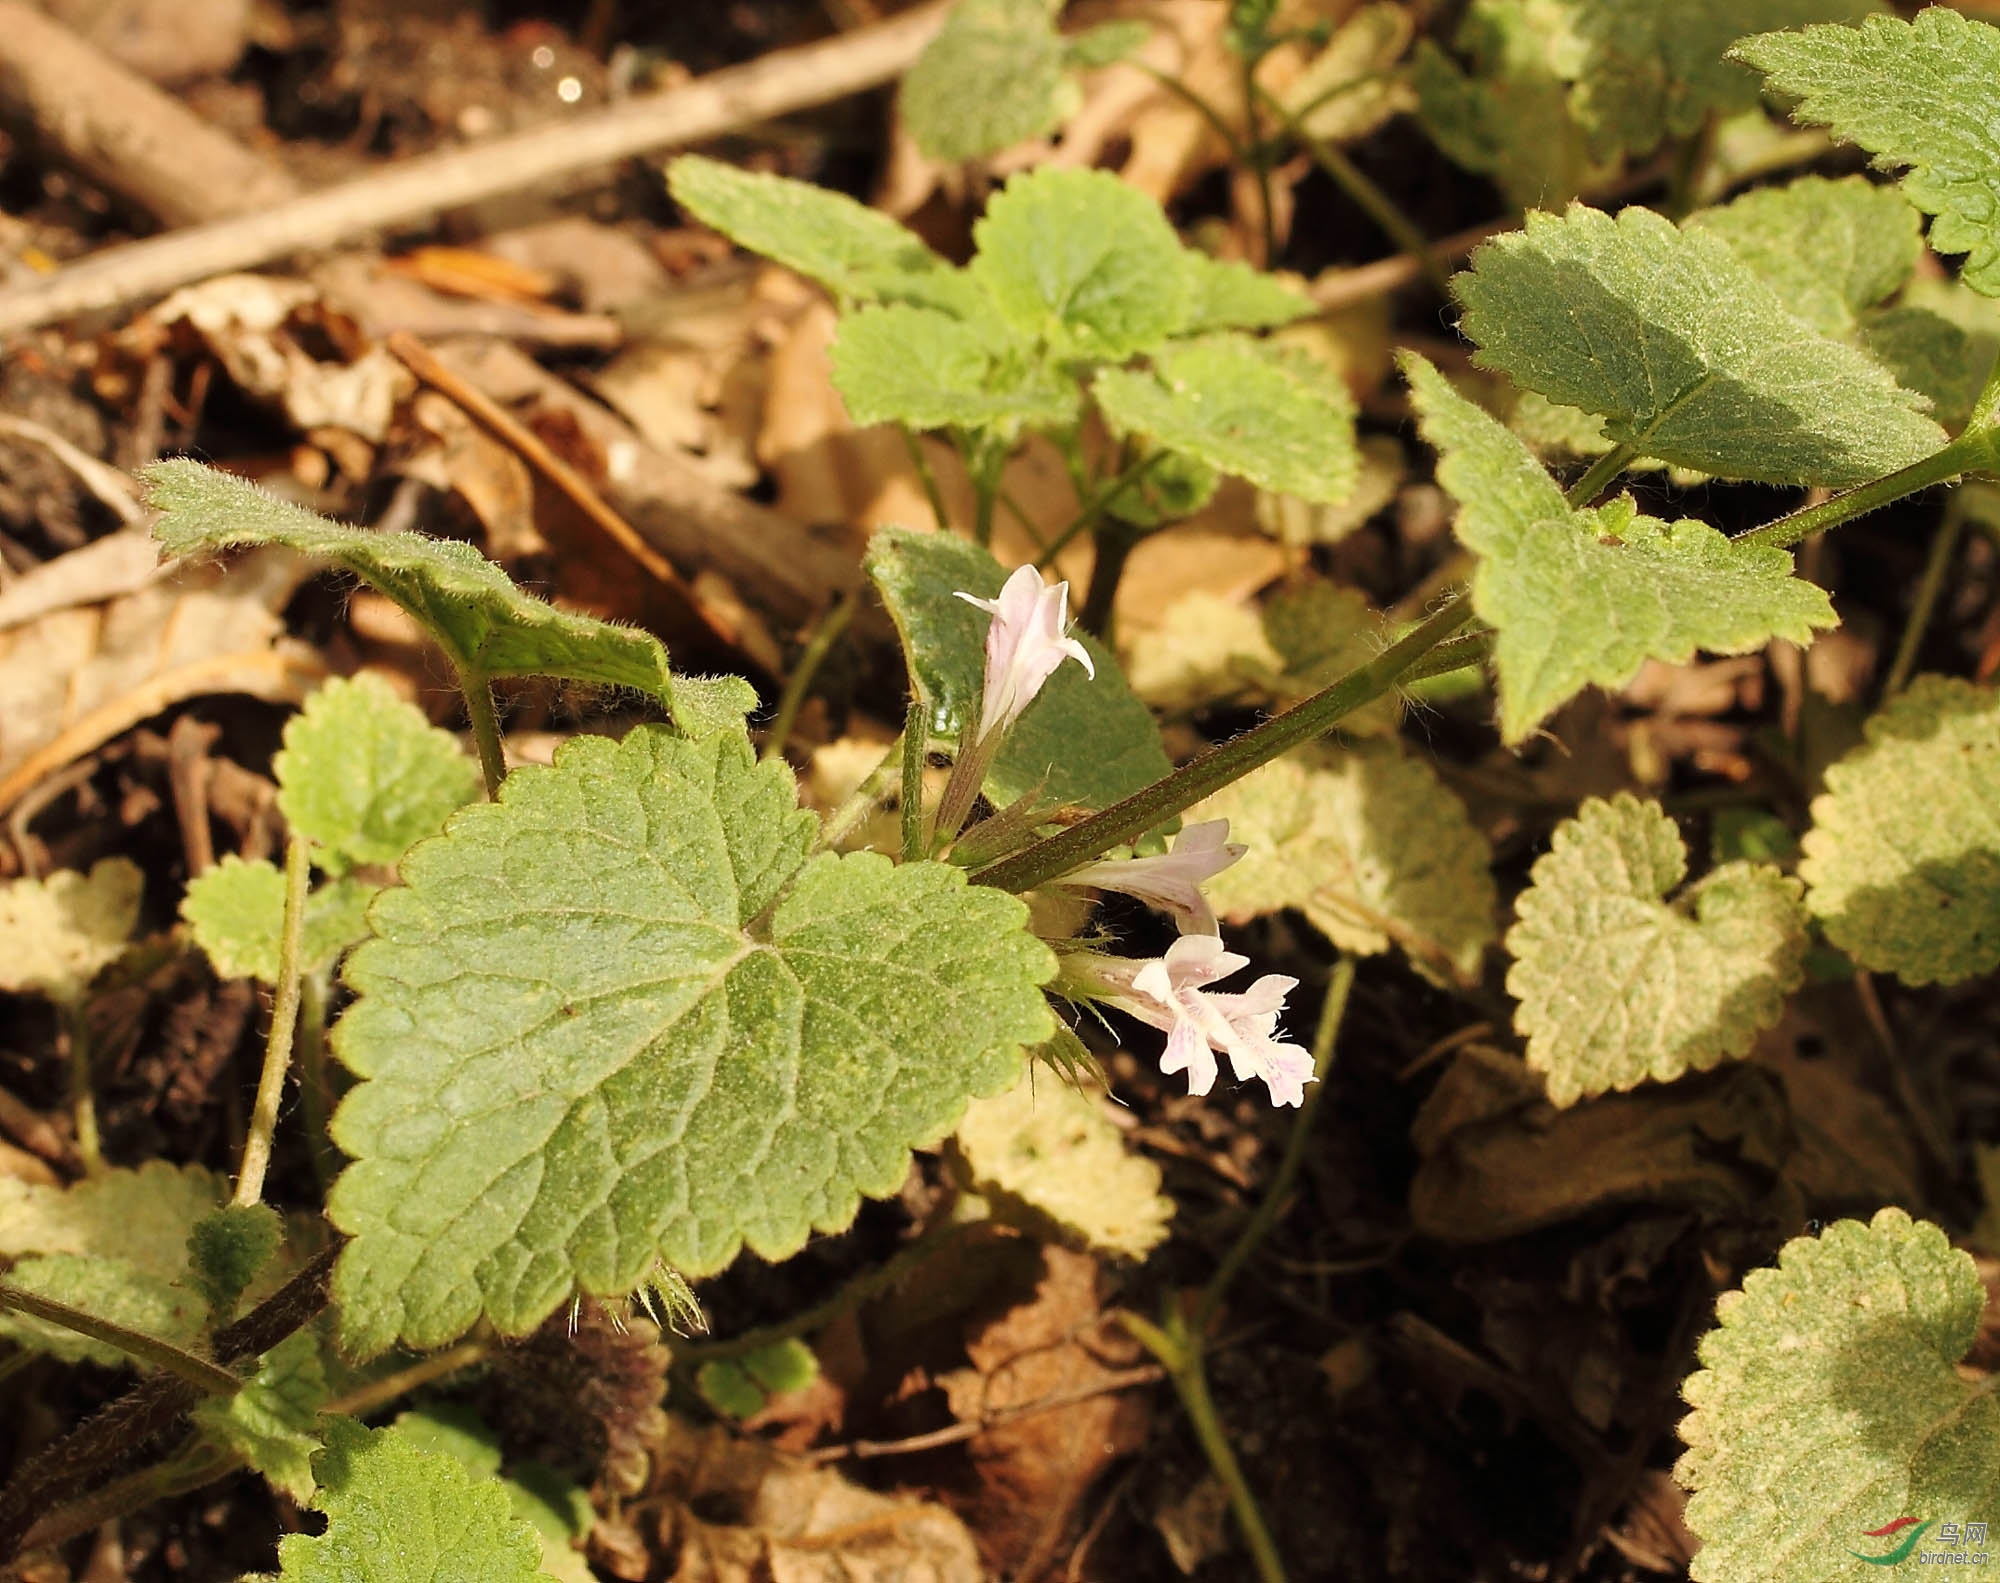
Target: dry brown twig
[{"x": 724, "y": 101}]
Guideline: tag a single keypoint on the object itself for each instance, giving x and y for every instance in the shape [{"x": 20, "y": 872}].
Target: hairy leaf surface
[
  {"x": 1618, "y": 985},
  {"x": 1923, "y": 93},
  {"x": 273, "y": 1422},
  {"x": 237, "y": 913},
  {"x": 1689, "y": 355},
  {"x": 1588, "y": 596},
  {"x": 1828, "y": 1405},
  {"x": 944, "y": 640},
  {"x": 1903, "y": 857},
  {"x": 858, "y": 253},
  {"x": 917, "y": 366},
  {"x": 365, "y": 776},
  {"x": 1271, "y": 414},
  {"x": 1227, "y": 294},
  {"x": 992, "y": 77},
  {"x": 622, "y": 1017},
  {"x": 59, "y": 933},
  {"x": 486, "y": 625},
  {"x": 1369, "y": 844}
]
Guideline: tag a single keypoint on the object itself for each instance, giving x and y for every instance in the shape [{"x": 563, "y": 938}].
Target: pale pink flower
[
  {"x": 1171, "y": 882},
  {"x": 1200, "y": 1023},
  {"x": 1024, "y": 646}
]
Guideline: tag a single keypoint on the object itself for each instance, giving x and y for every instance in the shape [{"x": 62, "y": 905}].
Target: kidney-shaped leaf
[{"x": 621, "y": 1017}]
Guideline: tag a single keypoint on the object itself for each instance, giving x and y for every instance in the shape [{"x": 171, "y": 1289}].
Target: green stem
[
  {"x": 1095, "y": 503},
  {"x": 1331, "y": 1011},
  {"x": 1597, "y": 477},
  {"x": 1690, "y": 166},
  {"x": 925, "y": 476},
  {"x": 211, "y": 1379},
  {"x": 1228, "y": 761},
  {"x": 916, "y": 744},
  {"x": 1260, "y": 159},
  {"x": 1369, "y": 198},
  {"x": 198, "y": 1462},
  {"x": 1180, "y": 1353},
  {"x": 278, "y": 1043},
  {"x": 968, "y": 773},
  {"x": 380, "y": 1393},
  {"x": 315, "y": 1082},
  {"x": 1977, "y": 450},
  {"x": 82, "y": 1091},
  {"x": 485, "y": 728},
  {"x": 873, "y": 788},
  {"x": 824, "y": 635},
  {"x": 1454, "y": 654},
  {"x": 1238, "y": 150},
  {"x": 1943, "y": 544}
]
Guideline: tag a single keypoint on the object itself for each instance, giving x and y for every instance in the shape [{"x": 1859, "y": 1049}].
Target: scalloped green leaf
[
  {"x": 1583, "y": 597},
  {"x": 237, "y": 913},
  {"x": 917, "y": 366},
  {"x": 623, "y": 1017},
  {"x": 114, "y": 1245},
  {"x": 1829, "y": 1406},
  {"x": 1227, "y": 294},
  {"x": 1685, "y": 350},
  {"x": 1902, "y": 862},
  {"x": 1369, "y": 844},
  {"x": 1940, "y": 338},
  {"x": 1923, "y": 94},
  {"x": 273, "y": 1422},
  {"x": 486, "y": 626},
  {"x": 944, "y": 640},
  {"x": 1046, "y": 1155},
  {"x": 1268, "y": 413},
  {"x": 994, "y": 76},
  {"x": 396, "y": 1513},
  {"x": 559, "y": 1512},
  {"x": 1830, "y": 249},
  {"x": 1616, "y": 983},
  {"x": 59, "y": 933},
  {"x": 858, "y": 253},
  {"x": 1082, "y": 263},
  {"x": 365, "y": 776}
]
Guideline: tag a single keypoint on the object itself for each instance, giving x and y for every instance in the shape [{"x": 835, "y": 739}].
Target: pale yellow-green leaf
[
  {"x": 1617, "y": 984},
  {"x": 1351, "y": 86},
  {"x": 1204, "y": 647},
  {"x": 1369, "y": 845},
  {"x": 1830, "y": 1404},
  {"x": 1046, "y": 1146},
  {"x": 58, "y": 934},
  {"x": 1903, "y": 857}
]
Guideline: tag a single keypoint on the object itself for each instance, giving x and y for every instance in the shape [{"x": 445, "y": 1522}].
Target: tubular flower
[
  {"x": 1171, "y": 882},
  {"x": 1200, "y": 1023},
  {"x": 1024, "y": 646}
]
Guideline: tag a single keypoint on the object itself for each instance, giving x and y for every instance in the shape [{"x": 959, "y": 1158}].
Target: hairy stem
[
  {"x": 1115, "y": 543},
  {"x": 82, "y": 1091},
  {"x": 873, "y": 788},
  {"x": 203, "y": 1375},
  {"x": 1943, "y": 544},
  {"x": 380, "y": 1393},
  {"x": 916, "y": 742},
  {"x": 1095, "y": 502},
  {"x": 1228, "y": 761},
  {"x": 315, "y": 1082},
  {"x": 925, "y": 476},
  {"x": 485, "y": 728},
  {"x": 284, "y": 1016},
  {"x": 811, "y": 657},
  {"x": 1597, "y": 477}
]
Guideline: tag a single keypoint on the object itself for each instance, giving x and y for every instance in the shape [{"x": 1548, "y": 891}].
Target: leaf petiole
[
  {"x": 284, "y": 1015},
  {"x": 211, "y": 1379}
]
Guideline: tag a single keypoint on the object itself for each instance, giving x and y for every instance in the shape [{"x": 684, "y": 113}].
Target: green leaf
[
  {"x": 273, "y": 1422},
  {"x": 1687, "y": 352},
  {"x": 741, "y": 1388},
  {"x": 1227, "y": 294},
  {"x": 1830, "y": 249},
  {"x": 1618, "y": 985},
  {"x": 1044, "y": 1154},
  {"x": 931, "y": 371},
  {"x": 1829, "y": 1405},
  {"x": 1923, "y": 93},
  {"x": 552, "y": 1505},
  {"x": 1588, "y": 596},
  {"x": 992, "y": 77},
  {"x": 1204, "y": 647},
  {"x": 1106, "y": 44},
  {"x": 237, "y": 913},
  {"x": 1172, "y": 488},
  {"x": 486, "y": 626},
  {"x": 397, "y": 1513},
  {"x": 1352, "y": 86},
  {"x": 621, "y": 1017},
  {"x": 366, "y": 776},
  {"x": 1322, "y": 631},
  {"x": 1903, "y": 857},
  {"x": 1939, "y": 338},
  {"x": 229, "y": 1246},
  {"x": 944, "y": 640},
  {"x": 1369, "y": 845},
  {"x": 859, "y": 254},
  {"x": 1080, "y": 262},
  {"x": 113, "y": 1245},
  {"x": 58, "y": 934},
  {"x": 1271, "y": 414}
]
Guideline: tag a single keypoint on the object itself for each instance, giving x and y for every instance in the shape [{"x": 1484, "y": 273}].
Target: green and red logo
[{"x": 1902, "y": 1551}]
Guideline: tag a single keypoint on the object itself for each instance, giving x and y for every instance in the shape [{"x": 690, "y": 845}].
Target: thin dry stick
[
  {"x": 1123, "y": 1380},
  {"x": 724, "y": 101},
  {"x": 511, "y": 432}
]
